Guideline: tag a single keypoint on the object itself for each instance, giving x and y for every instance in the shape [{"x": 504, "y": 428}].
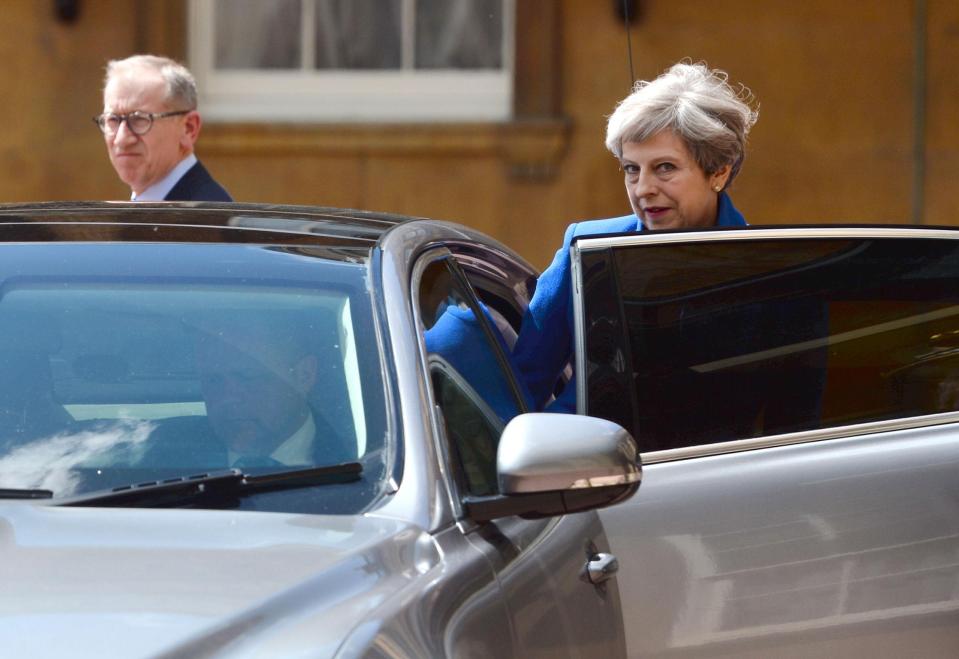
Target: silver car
[
  {"x": 251, "y": 431},
  {"x": 240, "y": 430}
]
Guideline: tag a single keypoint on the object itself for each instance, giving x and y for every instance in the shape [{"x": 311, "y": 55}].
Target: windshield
[{"x": 129, "y": 363}]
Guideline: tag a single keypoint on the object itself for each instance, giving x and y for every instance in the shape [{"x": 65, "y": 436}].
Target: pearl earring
[{"x": 717, "y": 187}]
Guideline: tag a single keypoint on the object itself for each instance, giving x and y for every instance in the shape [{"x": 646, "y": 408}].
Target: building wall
[{"x": 836, "y": 140}]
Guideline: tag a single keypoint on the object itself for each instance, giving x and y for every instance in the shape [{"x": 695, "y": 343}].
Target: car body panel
[
  {"x": 849, "y": 544},
  {"x": 97, "y": 580},
  {"x": 556, "y": 612}
]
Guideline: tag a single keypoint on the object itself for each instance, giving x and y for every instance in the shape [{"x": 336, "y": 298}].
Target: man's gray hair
[
  {"x": 181, "y": 87},
  {"x": 697, "y": 104}
]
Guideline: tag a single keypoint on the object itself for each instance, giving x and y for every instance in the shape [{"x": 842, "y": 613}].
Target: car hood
[{"x": 102, "y": 582}]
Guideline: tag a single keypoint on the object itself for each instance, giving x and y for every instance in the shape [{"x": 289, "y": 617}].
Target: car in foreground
[
  {"x": 239, "y": 430},
  {"x": 242, "y": 430}
]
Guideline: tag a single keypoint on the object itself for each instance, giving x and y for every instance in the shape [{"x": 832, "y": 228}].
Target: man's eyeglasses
[{"x": 138, "y": 122}]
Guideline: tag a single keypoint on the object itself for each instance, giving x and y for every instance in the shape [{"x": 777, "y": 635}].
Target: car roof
[{"x": 193, "y": 222}]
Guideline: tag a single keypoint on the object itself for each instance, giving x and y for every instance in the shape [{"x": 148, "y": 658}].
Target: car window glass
[
  {"x": 112, "y": 374},
  {"x": 504, "y": 289},
  {"x": 474, "y": 393},
  {"x": 695, "y": 343}
]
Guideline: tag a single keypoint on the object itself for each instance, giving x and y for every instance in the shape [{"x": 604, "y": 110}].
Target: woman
[{"x": 680, "y": 140}]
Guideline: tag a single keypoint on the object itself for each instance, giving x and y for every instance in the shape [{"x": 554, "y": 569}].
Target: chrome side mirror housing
[
  {"x": 543, "y": 452},
  {"x": 554, "y": 464}
]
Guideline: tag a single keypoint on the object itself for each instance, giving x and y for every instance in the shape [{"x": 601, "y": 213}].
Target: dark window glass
[
  {"x": 358, "y": 34},
  {"x": 252, "y": 34},
  {"x": 503, "y": 286},
  {"x": 504, "y": 289},
  {"x": 459, "y": 34},
  {"x": 465, "y": 354},
  {"x": 704, "y": 342}
]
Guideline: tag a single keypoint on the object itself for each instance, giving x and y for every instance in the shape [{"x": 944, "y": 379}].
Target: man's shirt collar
[
  {"x": 159, "y": 190},
  {"x": 295, "y": 450},
  {"x": 298, "y": 448}
]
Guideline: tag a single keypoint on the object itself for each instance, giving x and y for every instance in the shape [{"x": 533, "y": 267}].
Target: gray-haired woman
[{"x": 680, "y": 140}]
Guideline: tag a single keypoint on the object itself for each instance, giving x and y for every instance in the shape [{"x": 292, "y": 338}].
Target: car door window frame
[
  {"x": 766, "y": 440},
  {"x": 453, "y": 472}
]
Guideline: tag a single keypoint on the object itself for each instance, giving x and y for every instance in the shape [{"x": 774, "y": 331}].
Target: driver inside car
[{"x": 258, "y": 378}]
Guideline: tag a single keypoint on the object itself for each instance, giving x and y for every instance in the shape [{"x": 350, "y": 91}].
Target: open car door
[{"x": 794, "y": 394}]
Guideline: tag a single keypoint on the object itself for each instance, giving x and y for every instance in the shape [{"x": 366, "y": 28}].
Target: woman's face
[{"x": 666, "y": 187}]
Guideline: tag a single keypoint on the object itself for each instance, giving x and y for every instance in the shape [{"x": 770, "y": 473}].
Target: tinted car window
[
  {"x": 128, "y": 363},
  {"x": 693, "y": 343},
  {"x": 465, "y": 354},
  {"x": 504, "y": 289}
]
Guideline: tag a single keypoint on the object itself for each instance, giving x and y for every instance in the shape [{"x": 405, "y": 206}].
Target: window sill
[{"x": 531, "y": 149}]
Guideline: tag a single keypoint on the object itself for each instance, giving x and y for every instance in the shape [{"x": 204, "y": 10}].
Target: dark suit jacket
[{"x": 198, "y": 185}]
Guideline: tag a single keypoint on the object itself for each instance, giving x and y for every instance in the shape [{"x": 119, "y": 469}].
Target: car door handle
[{"x": 601, "y": 567}]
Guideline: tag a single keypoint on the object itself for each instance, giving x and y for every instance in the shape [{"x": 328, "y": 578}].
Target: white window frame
[{"x": 404, "y": 95}]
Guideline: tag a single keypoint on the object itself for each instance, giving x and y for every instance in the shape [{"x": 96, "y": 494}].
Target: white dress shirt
[
  {"x": 159, "y": 190},
  {"x": 296, "y": 450}
]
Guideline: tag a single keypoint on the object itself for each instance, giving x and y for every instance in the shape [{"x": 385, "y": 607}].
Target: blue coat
[
  {"x": 459, "y": 338},
  {"x": 545, "y": 342}
]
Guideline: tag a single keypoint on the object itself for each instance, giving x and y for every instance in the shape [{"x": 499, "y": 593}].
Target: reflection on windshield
[
  {"x": 54, "y": 463},
  {"x": 233, "y": 356}
]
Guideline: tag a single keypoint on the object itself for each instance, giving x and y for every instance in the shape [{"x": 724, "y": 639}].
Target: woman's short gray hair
[
  {"x": 699, "y": 105},
  {"x": 181, "y": 87}
]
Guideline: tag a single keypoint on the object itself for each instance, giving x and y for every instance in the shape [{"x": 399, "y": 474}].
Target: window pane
[
  {"x": 470, "y": 386},
  {"x": 358, "y": 34},
  {"x": 459, "y": 34},
  {"x": 251, "y": 34},
  {"x": 504, "y": 290},
  {"x": 739, "y": 339},
  {"x": 131, "y": 373}
]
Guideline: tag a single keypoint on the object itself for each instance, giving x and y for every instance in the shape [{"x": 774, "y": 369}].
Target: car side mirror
[{"x": 554, "y": 464}]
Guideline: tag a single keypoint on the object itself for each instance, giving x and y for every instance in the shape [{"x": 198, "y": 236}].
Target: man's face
[
  {"x": 255, "y": 393},
  {"x": 142, "y": 160}
]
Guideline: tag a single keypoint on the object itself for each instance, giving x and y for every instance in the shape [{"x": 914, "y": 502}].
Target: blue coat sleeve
[{"x": 545, "y": 340}]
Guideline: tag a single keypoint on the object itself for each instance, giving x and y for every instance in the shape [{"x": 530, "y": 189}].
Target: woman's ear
[{"x": 719, "y": 178}]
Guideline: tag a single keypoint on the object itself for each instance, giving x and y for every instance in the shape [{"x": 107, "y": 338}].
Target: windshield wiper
[
  {"x": 8, "y": 493},
  {"x": 213, "y": 489}
]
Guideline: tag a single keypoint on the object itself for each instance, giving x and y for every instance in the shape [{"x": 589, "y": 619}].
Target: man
[
  {"x": 150, "y": 125},
  {"x": 271, "y": 402},
  {"x": 256, "y": 382},
  {"x": 257, "y": 376}
]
